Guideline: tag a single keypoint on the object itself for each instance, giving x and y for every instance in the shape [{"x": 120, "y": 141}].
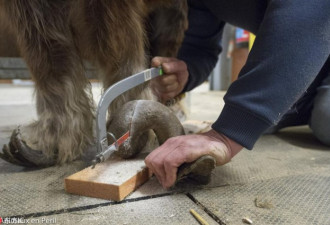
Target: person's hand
[
  {"x": 174, "y": 79},
  {"x": 165, "y": 160}
]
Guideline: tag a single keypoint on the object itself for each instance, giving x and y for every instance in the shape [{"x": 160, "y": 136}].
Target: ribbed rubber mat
[
  {"x": 166, "y": 210},
  {"x": 38, "y": 191},
  {"x": 26, "y": 192},
  {"x": 271, "y": 158},
  {"x": 297, "y": 199}
]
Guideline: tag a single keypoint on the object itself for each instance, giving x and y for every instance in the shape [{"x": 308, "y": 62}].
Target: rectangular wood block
[{"x": 112, "y": 180}]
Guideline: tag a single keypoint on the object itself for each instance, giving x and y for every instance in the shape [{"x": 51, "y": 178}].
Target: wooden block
[{"x": 113, "y": 179}]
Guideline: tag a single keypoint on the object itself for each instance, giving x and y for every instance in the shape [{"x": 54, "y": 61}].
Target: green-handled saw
[{"x": 103, "y": 148}]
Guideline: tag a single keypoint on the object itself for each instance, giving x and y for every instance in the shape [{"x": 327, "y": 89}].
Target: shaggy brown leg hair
[
  {"x": 65, "y": 116},
  {"x": 115, "y": 33},
  {"x": 116, "y": 36},
  {"x": 166, "y": 26},
  {"x": 53, "y": 37}
]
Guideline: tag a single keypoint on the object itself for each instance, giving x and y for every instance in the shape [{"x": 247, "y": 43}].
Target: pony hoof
[{"x": 19, "y": 153}]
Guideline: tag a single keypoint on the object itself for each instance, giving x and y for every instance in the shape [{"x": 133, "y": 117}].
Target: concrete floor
[{"x": 284, "y": 180}]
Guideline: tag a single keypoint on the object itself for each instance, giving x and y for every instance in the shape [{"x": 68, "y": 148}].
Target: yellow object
[
  {"x": 251, "y": 40},
  {"x": 198, "y": 217}
]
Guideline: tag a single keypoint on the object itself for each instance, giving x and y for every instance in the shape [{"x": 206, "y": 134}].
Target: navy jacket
[{"x": 289, "y": 59}]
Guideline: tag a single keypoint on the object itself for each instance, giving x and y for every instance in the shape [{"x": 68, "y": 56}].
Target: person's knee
[{"x": 320, "y": 120}]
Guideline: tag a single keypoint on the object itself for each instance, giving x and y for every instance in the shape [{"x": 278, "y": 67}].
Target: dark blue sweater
[{"x": 282, "y": 72}]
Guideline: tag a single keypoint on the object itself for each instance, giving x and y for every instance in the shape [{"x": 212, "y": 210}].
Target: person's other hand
[
  {"x": 165, "y": 160},
  {"x": 174, "y": 79}
]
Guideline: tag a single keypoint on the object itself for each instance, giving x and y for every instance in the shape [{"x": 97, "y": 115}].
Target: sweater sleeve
[
  {"x": 292, "y": 45},
  {"x": 201, "y": 46}
]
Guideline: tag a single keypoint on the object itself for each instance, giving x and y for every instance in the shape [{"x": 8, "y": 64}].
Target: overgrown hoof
[
  {"x": 198, "y": 171},
  {"x": 139, "y": 117},
  {"x": 19, "y": 153}
]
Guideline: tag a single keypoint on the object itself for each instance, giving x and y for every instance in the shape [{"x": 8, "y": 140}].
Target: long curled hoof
[
  {"x": 19, "y": 153},
  {"x": 138, "y": 117}
]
